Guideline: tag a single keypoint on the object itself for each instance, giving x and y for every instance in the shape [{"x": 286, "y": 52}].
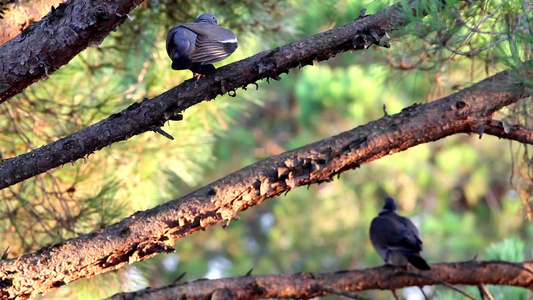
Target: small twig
[
  {"x": 6, "y": 253},
  {"x": 516, "y": 265},
  {"x": 339, "y": 292},
  {"x": 503, "y": 129},
  {"x": 423, "y": 293},
  {"x": 395, "y": 294},
  {"x": 161, "y": 132},
  {"x": 362, "y": 13},
  {"x": 483, "y": 291},
  {"x": 438, "y": 281},
  {"x": 473, "y": 52},
  {"x": 179, "y": 277}
]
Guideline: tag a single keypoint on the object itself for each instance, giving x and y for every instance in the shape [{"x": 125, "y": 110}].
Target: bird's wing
[
  {"x": 383, "y": 233},
  {"x": 387, "y": 232},
  {"x": 171, "y": 46},
  {"x": 410, "y": 234},
  {"x": 214, "y": 43},
  {"x": 180, "y": 39}
]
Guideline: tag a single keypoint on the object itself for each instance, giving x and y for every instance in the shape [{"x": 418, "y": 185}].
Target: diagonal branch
[
  {"x": 141, "y": 117},
  {"x": 502, "y": 129},
  {"x": 309, "y": 285},
  {"x": 47, "y": 45},
  {"x": 154, "y": 231}
]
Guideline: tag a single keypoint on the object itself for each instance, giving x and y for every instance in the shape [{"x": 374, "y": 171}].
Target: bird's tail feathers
[{"x": 417, "y": 261}]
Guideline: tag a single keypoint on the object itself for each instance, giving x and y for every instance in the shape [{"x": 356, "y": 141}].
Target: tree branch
[
  {"x": 141, "y": 117},
  {"x": 502, "y": 129},
  {"x": 154, "y": 231},
  {"x": 46, "y": 45},
  {"x": 307, "y": 285}
]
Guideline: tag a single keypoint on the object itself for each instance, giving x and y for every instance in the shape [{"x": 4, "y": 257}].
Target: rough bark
[
  {"x": 46, "y": 45},
  {"x": 153, "y": 231},
  {"x": 309, "y": 285},
  {"x": 21, "y": 14},
  {"x": 504, "y": 130},
  {"x": 152, "y": 114}
]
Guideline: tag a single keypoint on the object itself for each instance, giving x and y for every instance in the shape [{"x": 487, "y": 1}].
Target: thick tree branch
[
  {"x": 504, "y": 130},
  {"x": 21, "y": 14},
  {"x": 46, "y": 45},
  {"x": 141, "y": 117},
  {"x": 309, "y": 285},
  {"x": 147, "y": 233}
]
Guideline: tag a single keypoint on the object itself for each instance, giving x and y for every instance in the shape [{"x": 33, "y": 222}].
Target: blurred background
[{"x": 470, "y": 197}]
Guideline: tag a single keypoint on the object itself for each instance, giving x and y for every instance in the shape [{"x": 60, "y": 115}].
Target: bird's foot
[{"x": 198, "y": 76}]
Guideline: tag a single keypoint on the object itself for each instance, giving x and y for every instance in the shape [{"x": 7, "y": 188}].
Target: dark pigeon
[
  {"x": 396, "y": 238},
  {"x": 196, "y": 46}
]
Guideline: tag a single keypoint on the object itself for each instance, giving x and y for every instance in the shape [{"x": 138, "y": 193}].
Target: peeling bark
[
  {"x": 46, "y": 45},
  {"x": 149, "y": 114},
  {"x": 19, "y": 15},
  {"x": 309, "y": 285},
  {"x": 154, "y": 231}
]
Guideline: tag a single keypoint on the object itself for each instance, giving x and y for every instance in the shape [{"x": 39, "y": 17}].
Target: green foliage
[
  {"x": 101, "y": 209},
  {"x": 510, "y": 249}
]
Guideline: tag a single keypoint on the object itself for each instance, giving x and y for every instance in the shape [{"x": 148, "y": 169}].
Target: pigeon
[
  {"x": 196, "y": 46},
  {"x": 396, "y": 238}
]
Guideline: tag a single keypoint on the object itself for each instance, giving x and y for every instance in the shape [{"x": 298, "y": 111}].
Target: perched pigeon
[
  {"x": 396, "y": 238},
  {"x": 196, "y": 46}
]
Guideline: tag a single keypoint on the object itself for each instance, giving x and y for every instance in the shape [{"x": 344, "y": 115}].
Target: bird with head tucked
[
  {"x": 396, "y": 238},
  {"x": 196, "y": 46}
]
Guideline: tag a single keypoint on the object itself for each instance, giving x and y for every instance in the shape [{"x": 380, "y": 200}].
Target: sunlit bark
[{"x": 309, "y": 285}]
